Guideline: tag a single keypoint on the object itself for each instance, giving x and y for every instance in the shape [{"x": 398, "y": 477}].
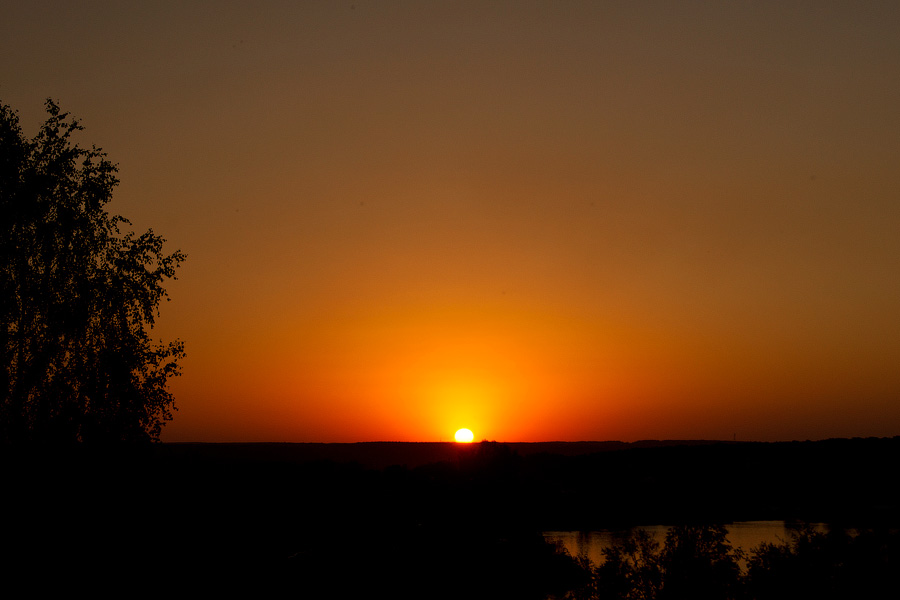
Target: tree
[
  {"x": 696, "y": 562},
  {"x": 632, "y": 568},
  {"x": 699, "y": 563},
  {"x": 77, "y": 296}
]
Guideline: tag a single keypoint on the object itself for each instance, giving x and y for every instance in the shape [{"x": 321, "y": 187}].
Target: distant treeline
[
  {"x": 255, "y": 513},
  {"x": 697, "y": 562}
]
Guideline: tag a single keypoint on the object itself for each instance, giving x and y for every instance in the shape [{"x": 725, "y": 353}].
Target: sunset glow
[{"x": 544, "y": 222}]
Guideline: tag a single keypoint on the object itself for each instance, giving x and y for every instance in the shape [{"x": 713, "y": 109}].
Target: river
[{"x": 744, "y": 535}]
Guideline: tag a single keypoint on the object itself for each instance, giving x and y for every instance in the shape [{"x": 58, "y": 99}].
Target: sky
[{"x": 537, "y": 220}]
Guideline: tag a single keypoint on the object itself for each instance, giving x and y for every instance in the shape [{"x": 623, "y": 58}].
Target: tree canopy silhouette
[{"x": 78, "y": 296}]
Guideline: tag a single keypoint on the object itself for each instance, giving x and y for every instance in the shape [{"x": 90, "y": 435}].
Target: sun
[{"x": 464, "y": 436}]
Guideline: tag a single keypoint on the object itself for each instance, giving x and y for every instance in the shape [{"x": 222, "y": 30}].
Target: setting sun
[{"x": 464, "y": 436}]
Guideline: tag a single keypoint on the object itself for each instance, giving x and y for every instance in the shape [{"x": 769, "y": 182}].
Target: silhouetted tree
[
  {"x": 816, "y": 564},
  {"x": 77, "y": 296},
  {"x": 696, "y": 562},
  {"x": 631, "y": 570},
  {"x": 699, "y": 563}
]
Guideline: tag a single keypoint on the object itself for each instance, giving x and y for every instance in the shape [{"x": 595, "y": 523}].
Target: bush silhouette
[
  {"x": 698, "y": 562},
  {"x": 77, "y": 296},
  {"x": 815, "y": 564},
  {"x": 632, "y": 568},
  {"x": 695, "y": 562}
]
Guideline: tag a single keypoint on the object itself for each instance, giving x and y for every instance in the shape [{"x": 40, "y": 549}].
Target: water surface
[{"x": 744, "y": 535}]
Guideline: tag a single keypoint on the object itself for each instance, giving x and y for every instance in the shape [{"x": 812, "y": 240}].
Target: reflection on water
[{"x": 744, "y": 535}]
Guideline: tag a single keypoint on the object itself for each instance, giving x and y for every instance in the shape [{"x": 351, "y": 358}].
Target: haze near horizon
[{"x": 552, "y": 221}]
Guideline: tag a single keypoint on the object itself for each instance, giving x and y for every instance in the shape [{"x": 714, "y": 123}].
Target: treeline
[
  {"x": 842, "y": 480},
  {"x": 697, "y": 562}
]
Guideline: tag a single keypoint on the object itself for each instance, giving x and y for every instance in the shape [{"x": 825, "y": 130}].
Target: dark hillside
[{"x": 324, "y": 513}]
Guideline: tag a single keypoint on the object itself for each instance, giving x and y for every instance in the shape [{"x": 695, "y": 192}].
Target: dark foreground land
[{"x": 410, "y": 520}]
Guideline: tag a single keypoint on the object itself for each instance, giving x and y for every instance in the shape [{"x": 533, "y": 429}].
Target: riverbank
[{"x": 223, "y": 514}]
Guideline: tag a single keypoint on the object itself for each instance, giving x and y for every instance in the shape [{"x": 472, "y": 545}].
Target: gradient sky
[{"x": 538, "y": 220}]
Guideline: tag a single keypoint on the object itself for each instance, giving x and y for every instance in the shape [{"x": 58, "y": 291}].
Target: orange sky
[{"x": 540, "y": 221}]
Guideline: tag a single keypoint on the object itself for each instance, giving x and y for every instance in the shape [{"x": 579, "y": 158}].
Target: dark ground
[{"x": 420, "y": 520}]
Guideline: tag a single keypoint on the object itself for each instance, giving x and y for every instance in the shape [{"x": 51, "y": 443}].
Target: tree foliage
[
  {"x": 695, "y": 562},
  {"x": 698, "y": 562},
  {"x": 78, "y": 296}
]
